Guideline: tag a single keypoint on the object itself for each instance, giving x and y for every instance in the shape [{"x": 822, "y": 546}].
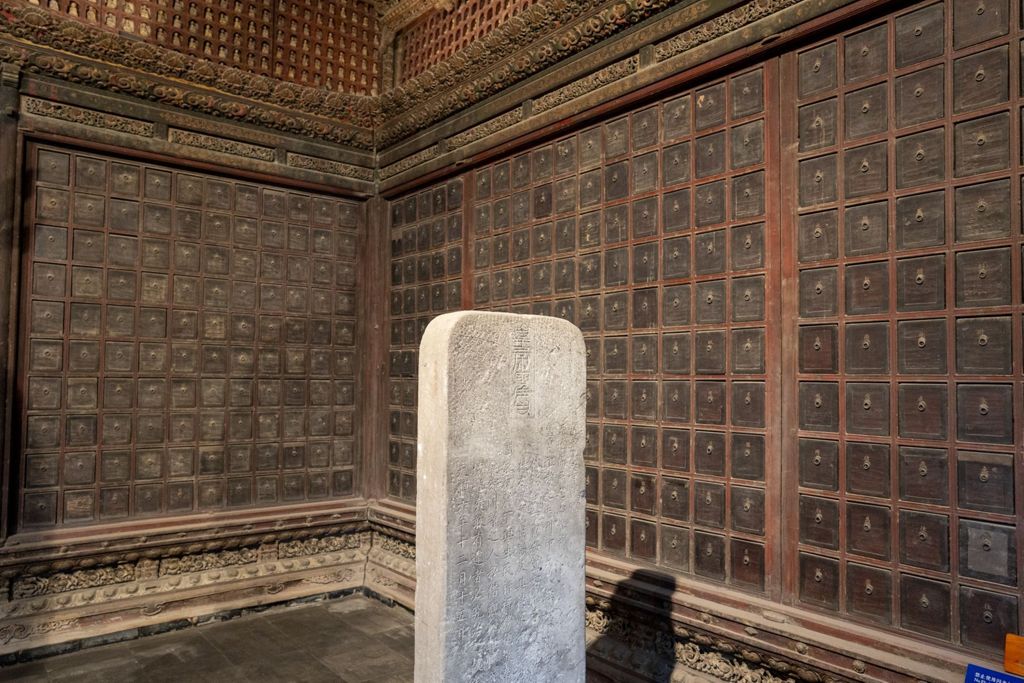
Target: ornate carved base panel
[
  {"x": 391, "y": 569},
  {"x": 37, "y": 611},
  {"x": 621, "y": 660}
]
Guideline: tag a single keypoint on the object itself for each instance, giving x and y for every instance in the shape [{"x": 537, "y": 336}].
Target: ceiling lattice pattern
[
  {"x": 439, "y": 35},
  {"x": 320, "y": 43}
]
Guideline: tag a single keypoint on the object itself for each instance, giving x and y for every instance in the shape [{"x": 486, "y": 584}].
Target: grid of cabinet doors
[
  {"x": 426, "y": 280},
  {"x": 187, "y": 342},
  {"x": 646, "y": 231},
  {"x": 908, "y": 243}
]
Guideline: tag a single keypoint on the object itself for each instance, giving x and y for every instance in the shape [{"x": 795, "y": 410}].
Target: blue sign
[{"x": 978, "y": 674}]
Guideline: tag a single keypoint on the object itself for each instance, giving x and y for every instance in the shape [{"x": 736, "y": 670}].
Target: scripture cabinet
[
  {"x": 650, "y": 234},
  {"x": 907, "y": 173},
  {"x": 188, "y": 342},
  {"x": 428, "y": 256},
  {"x": 799, "y": 286}
]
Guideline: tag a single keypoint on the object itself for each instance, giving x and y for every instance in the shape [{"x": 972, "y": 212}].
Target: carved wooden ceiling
[
  {"x": 315, "y": 67},
  {"x": 329, "y": 44},
  {"x": 440, "y": 33}
]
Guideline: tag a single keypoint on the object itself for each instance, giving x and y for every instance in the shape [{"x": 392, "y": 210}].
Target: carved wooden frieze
[
  {"x": 730, "y": 21},
  {"x": 587, "y": 84},
  {"x": 211, "y": 142},
  {"x": 410, "y": 161},
  {"x": 118, "y": 596},
  {"x": 322, "y": 165},
  {"x": 129, "y": 67},
  {"x": 225, "y": 142},
  {"x": 88, "y": 117},
  {"x": 328, "y": 44}
]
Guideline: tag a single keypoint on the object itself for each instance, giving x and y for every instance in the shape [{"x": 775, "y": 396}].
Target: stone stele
[{"x": 500, "y": 500}]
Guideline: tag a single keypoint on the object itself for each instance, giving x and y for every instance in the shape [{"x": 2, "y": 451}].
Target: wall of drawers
[
  {"x": 907, "y": 249},
  {"x": 799, "y": 285},
  {"x": 187, "y": 344},
  {"x": 648, "y": 233},
  {"x": 426, "y": 280}
]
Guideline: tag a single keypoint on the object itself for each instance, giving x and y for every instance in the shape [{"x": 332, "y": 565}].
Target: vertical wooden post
[
  {"x": 10, "y": 168},
  {"x": 373, "y": 320}
]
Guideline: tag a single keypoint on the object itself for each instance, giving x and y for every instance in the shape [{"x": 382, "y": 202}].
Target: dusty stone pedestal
[{"x": 500, "y": 500}]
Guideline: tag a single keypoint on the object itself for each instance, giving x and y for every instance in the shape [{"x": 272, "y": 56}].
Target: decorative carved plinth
[
  {"x": 635, "y": 647},
  {"x": 391, "y": 569},
  {"x": 71, "y": 605}
]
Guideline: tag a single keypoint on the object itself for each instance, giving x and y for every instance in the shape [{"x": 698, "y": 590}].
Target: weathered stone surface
[{"x": 500, "y": 510}]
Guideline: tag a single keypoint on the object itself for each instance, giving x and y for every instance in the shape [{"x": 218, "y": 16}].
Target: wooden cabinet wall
[
  {"x": 426, "y": 280},
  {"x": 905, "y": 177},
  {"x": 187, "y": 343},
  {"x": 800, "y": 289},
  {"x": 648, "y": 232}
]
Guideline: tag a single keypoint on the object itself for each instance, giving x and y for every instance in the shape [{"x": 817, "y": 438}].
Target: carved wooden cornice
[
  {"x": 394, "y": 15},
  {"x": 538, "y": 37},
  {"x": 39, "y": 41}
]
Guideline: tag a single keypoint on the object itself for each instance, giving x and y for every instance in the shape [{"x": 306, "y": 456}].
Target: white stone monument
[{"x": 500, "y": 500}]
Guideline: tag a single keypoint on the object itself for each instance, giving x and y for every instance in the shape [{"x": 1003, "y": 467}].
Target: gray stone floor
[{"x": 350, "y": 640}]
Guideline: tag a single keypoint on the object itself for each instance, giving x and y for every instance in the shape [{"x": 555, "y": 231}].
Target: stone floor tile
[
  {"x": 184, "y": 646},
  {"x": 99, "y": 665},
  {"x": 350, "y": 640},
  {"x": 300, "y": 670},
  {"x": 349, "y": 604},
  {"x": 251, "y": 637},
  {"x": 29, "y": 672}
]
